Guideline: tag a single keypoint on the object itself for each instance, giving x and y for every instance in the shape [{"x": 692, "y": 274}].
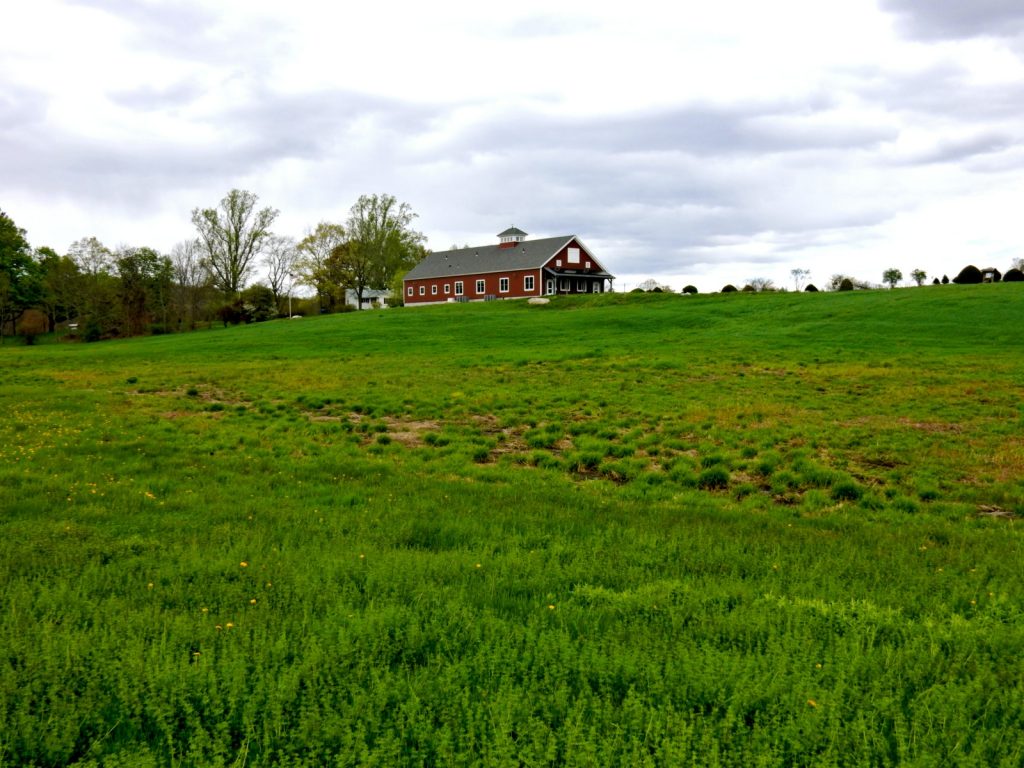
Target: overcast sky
[{"x": 692, "y": 142}]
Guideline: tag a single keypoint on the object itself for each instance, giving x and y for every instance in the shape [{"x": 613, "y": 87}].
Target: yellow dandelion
[
  {"x": 478, "y": 565},
  {"x": 219, "y": 627},
  {"x": 812, "y": 703},
  {"x": 205, "y": 610},
  {"x": 269, "y": 585},
  {"x": 229, "y": 625},
  {"x": 196, "y": 653},
  {"x": 150, "y": 585},
  {"x": 253, "y": 601},
  {"x": 551, "y": 607},
  {"x": 818, "y": 665},
  {"x": 362, "y": 556},
  {"x": 244, "y": 564}
]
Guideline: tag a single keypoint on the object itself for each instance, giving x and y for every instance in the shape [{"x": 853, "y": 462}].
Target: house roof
[
  {"x": 529, "y": 254},
  {"x": 512, "y": 231}
]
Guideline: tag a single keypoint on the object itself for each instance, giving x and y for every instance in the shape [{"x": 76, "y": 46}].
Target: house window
[
  {"x": 588, "y": 265},
  {"x": 447, "y": 289},
  {"x": 558, "y": 262},
  {"x": 581, "y": 287},
  {"x": 458, "y": 287},
  {"x": 574, "y": 255},
  {"x": 551, "y": 286},
  {"x": 528, "y": 283},
  {"x": 480, "y": 287},
  {"x": 433, "y": 290},
  {"x": 502, "y": 285},
  {"x": 423, "y": 290},
  {"x": 408, "y": 291},
  {"x": 595, "y": 287}
]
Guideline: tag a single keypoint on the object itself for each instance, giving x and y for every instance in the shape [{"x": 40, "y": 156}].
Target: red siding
[
  {"x": 491, "y": 287},
  {"x": 580, "y": 268}
]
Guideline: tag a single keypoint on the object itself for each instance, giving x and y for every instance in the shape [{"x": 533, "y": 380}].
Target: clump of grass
[
  {"x": 846, "y": 490},
  {"x": 713, "y": 478}
]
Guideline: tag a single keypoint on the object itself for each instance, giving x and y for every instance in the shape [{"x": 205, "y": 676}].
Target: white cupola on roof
[{"x": 510, "y": 237}]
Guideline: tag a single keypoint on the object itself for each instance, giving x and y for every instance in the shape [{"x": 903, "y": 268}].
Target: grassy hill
[{"x": 772, "y": 529}]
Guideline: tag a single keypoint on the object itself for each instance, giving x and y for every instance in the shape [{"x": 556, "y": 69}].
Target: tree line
[{"x": 97, "y": 292}]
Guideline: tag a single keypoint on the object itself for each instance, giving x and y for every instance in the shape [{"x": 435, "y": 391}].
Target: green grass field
[{"x": 729, "y": 530}]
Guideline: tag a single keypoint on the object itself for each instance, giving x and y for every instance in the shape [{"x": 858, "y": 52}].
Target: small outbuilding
[{"x": 512, "y": 268}]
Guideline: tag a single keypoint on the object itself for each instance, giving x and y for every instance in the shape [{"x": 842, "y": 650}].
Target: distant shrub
[
  {"x": 846, "y": 490},
  {"x": 846, "y": 284},
  {"x": 715, "y": 477},
  {"x": 730, "y": 288},
  {"x": 689, "y": 289},
  {"x": 638, "y": 290},
  {"x": 936, "y": 281},
  {"x": 192, "y": 392},
  {"x": 811, "y": 288},
  {"x": 945, "y": 280},
  {"x": 1013, "y": 276},
  {"x": 969, "y": 275},
  {"x": 384, "y": 439},
  {"x": 748, "y": 288}
]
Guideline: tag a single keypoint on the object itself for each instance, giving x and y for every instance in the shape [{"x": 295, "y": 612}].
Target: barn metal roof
[{"x": 528, "y": 254}]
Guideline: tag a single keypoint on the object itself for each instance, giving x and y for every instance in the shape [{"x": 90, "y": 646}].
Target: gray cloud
[{"x": 957, "y": 19}]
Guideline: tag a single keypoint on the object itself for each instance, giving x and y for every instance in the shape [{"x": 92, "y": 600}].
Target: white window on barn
[
  {"x": 588, "y": 265},
  {"x": 480, "y": 286},
  {"x": 528, "y": 283},
  {"x": 581, "y": 287},
  {"x": 574, "y": 255},
  {"x": 458, "y": 287},
  {"x": 502, "y": 285},
  {"x": 408, "y": 291},
  {"x": 558, "y": 262},
  {"x": 423, "y": 290},
  {"x": 447, "y": 289},
  {"x": 433, "y": 290}
]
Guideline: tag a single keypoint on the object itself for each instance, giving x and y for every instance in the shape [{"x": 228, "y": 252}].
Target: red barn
[{"x": 514, "y": 268}]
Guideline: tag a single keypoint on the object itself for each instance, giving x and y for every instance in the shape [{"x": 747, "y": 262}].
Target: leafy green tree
[
  {"x": 20, "y": 284},
  {"x": 145, "y": 280},
  {"x": 969, "y": 275},
  {"x": 381, "y": 242},
  {"x": 352, "y": 266},
  {"x": 919, "y": 276},
  {"x": 231, "y": 237},
  {"x": 61, "y": 286},
  {"x": 311, "y": 265},
  {"x": 892, "y": 276},
  {"x": 98, "y": 299}
]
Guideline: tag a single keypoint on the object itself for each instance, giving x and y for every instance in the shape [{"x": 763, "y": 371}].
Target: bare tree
[
  {"x": 280, "y": 257},
  {"x": 231, "y": 237},
  {"x": 191, "y": 279},
  {"x": 761, "y": 284},
  {"x": 799, "y": 276}
]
